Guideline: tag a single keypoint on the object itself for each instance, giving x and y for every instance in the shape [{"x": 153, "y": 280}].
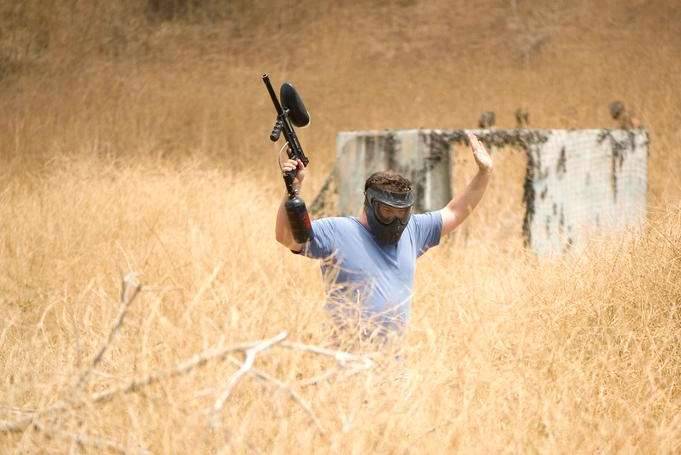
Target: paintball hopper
[{"x": 291, "y": 100}]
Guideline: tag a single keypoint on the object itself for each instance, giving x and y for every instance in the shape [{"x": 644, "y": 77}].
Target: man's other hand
[{"x": 480, "y": 153}]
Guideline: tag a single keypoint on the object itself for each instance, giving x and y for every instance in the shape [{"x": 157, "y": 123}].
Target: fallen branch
[
  {"x": 326, "y": 375},
  {"x": 344, "y": 359},
  {"x": 130, "y": 287},
  {"x": 251, "y": 353},
  {"x": 183, "y": 367},
  {"x": 288, "y": 389},
  {"x": 351, "y": 363}
]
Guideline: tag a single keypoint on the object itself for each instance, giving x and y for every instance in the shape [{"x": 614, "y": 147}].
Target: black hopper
[{"x": 291, "y": 100}]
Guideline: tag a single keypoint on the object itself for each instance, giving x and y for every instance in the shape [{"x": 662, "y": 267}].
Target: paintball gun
[{"x": 291, "y": 111}]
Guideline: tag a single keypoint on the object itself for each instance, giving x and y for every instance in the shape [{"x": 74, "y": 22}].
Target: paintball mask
[{"x": 388, "y": 214}]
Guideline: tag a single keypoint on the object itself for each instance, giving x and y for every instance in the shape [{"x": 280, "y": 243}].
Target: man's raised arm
[{"x": 460, "y": 207}]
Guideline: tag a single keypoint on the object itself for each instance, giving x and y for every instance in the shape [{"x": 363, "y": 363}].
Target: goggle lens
[{"x": 387, "y": 214}]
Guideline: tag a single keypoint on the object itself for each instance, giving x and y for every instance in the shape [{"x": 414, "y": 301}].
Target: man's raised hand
[
  {"x": 480, "y": 153},
  {"x": 287, "y": 165}
]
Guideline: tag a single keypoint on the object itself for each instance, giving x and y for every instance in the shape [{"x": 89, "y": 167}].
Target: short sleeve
[
  {"x": 427, "y": 229},
  {"x": 321, "y": 244}
]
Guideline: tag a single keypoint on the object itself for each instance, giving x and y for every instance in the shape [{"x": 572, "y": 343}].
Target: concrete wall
[
  {"x": 577, "y": 181},
  {"x": 582, "y": 181},
  {"x": 422, "y": 157}
]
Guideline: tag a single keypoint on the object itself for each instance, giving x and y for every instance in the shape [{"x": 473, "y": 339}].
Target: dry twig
[
  {"x": 344, "y": 359},
  {"x": 352, "y": 362},
  {"x": 250, "y": 354},
  {"x": 288, "y": 389},
  {"x": 130, "y": 287},
  {"x": 133, "y": 385}
]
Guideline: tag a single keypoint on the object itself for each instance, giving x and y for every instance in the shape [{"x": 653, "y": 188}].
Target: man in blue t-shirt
[{"x": 369, "y": 262}]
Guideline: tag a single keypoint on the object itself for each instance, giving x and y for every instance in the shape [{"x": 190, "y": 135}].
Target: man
[
  {"x": 369, "y": 261},
  {"x": 622, "y": 116},
  {"x": 522, "y": 118},
  {"x": 487, "y": 120}
]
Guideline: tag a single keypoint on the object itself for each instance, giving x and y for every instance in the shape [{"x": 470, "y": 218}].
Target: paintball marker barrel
[{"x": 275, "y": 100}]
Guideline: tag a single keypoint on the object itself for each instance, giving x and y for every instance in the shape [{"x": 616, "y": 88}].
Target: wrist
[
  {"x": 485, "y": 170},
  {"x": 296, "y": 189}
]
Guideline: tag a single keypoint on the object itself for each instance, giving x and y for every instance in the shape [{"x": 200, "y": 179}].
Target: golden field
[{"x": 136, "y": 139}]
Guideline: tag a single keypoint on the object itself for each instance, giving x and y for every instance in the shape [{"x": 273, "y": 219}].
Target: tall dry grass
[
  {"x": 504, "y": 351},
  {"x": 133, "y": 143}
]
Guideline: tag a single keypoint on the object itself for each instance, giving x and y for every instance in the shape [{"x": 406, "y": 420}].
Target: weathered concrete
[
  {"x": 584, "y": 181},
  {"x": 417, "y": 154},
  {"x": 577, "y": 181}
]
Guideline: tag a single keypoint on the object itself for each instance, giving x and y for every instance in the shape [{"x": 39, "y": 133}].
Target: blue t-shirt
[{"x": 378, "y": 278}]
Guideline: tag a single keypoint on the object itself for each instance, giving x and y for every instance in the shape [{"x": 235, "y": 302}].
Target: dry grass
[{"x": 129, "y": 145}]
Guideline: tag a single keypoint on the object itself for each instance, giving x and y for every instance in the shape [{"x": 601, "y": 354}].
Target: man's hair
[{"x": 388, "y": 181}]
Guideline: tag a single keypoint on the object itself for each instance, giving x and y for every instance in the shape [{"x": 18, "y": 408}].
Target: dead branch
[
  {"x": 351, "y": 363},
  {"x": 130, "y": 287},
  {"x": 315, "y": 380},
  {"x": 181, "y": 368},
  {"x": 344, "y": 359},
  {"x": 250, "y": 355},
  {"x": 295, "y": 396}
]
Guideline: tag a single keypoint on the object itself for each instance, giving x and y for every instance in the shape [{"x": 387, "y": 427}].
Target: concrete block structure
[
  {"x": 577, "y": 181},
  {"x": 422, "y": 157}
]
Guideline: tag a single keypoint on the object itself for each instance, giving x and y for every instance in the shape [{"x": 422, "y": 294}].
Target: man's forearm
[
  {"x": 282, "y": 229},
  {"x": 458, "y": 209},
  {"x": 471, "y": 196}
]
